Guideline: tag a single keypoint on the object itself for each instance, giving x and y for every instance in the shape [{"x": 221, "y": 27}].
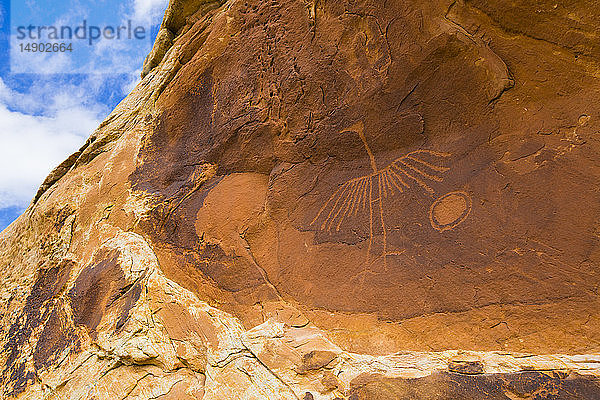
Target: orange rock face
[{"x": 325, "y": 200}]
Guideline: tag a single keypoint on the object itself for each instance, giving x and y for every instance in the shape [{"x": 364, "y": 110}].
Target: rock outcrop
[{"x": 346, "y": 199}]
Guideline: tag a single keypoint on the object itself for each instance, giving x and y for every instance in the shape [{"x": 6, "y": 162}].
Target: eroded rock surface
[{"x": 325, "y": 200}]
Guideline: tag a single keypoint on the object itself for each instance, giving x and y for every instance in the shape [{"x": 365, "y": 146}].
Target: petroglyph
[
  {"x": 368, "y": 193},
  {"x": 449, "y": 211}
]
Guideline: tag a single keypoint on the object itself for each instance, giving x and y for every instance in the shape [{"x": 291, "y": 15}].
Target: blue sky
[{"x": 51, "y": 102}]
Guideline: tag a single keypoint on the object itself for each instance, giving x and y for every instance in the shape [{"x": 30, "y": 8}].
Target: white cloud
[
  {"x": 108, "y": 56},
  {"x": 33, "y": 143},
  {"x": 38, "y": 62},
  {"x": 42, "y": 125},
  {"x": 145, "y": 10}
]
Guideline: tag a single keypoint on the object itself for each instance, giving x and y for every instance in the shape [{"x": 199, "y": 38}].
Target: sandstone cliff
[{"x": 350, "y": 199}]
